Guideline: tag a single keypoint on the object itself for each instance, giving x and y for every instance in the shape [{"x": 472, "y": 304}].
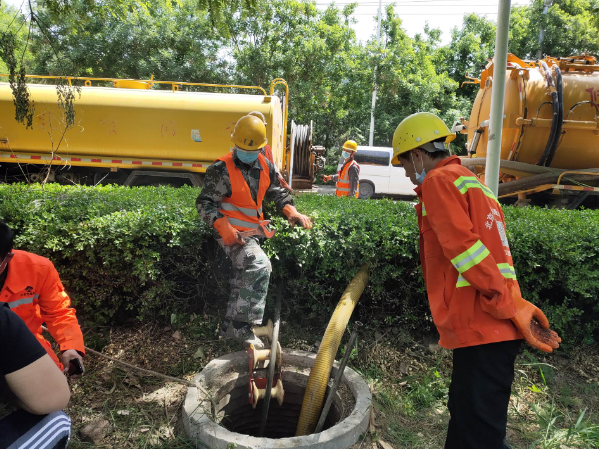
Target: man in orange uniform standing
[
  {"x": 471, "y": 282},
  {"x": 31, "y": 287},
  {"x": 348, "y": 178}
]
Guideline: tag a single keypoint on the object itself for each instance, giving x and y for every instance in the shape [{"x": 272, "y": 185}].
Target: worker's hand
[
  {"x": 326, "y": 178},
  {"x": 294, "y": 217},
  {"x": 69, "y": 355},
  {"x": 534, "y": 326},
  {"x": 227, "y": 232}
]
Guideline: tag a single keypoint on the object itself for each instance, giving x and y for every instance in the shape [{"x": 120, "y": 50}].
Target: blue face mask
[
  {"x": 345, "y": 154},
  {"x": 247, "y": 157},
  {"x": 419, "y": 176}
]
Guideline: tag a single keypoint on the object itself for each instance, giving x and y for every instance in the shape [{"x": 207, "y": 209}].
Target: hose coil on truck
[
  {"x": 550, "y": 127},
  {"x": 126, "y": 129}
]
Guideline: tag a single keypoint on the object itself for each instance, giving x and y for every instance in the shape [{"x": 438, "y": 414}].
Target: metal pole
[
  {"x": 337, "y": 381},
  {"x": 497, "y": 96},
  {"x": 378, "y": 39},
  {"x": 273, "y": 360},
  {"x": 542, "y": 30}
]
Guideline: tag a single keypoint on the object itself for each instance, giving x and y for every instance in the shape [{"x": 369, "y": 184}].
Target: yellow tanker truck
[
  {"x": 550, "y": 142},
  {"x": 137, "y": 132}
]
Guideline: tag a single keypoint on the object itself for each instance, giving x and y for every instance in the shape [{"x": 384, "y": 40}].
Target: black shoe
[{"x": 241, "y": 332}]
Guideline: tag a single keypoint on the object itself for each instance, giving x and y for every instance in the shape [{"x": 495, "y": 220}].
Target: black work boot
[{"x": 241, "y": 332}]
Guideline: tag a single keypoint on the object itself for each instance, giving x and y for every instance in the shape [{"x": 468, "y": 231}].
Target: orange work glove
[
  {"x": 326, "y": 178},
  {"x": 227, "y": 232},
  {"x": 534, "y": 326},
  {"x": 294, "y": 217}
]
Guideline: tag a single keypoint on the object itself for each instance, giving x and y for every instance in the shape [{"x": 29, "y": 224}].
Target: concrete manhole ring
[{"x": 223, "y": 398}]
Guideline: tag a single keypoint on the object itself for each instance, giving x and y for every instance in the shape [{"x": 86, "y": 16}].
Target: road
[{"x": 330, "y": 190}]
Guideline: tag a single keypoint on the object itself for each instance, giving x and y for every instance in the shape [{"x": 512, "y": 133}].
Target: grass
[
  {"x": 554, "y": 404},
  {"x": 551, "y": 407}
]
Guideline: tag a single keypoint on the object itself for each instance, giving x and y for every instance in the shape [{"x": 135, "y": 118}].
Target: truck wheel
[{"x": 366, "y": 190}]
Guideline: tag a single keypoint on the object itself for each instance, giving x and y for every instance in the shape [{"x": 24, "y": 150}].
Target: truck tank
[
  {"x": 550, "y": 125},
  {"x": 131, "y": 127}
]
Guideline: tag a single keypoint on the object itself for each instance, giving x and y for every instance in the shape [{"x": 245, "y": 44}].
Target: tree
[
  {"x": 470, "y": 48},
  {"x": 570, "y": 27},
  {"x": 15, "y": 23},
  {"x": 170, "y": 40},
  {"x": 316, "y": 52},
  {"x": 408, "y": 78}
]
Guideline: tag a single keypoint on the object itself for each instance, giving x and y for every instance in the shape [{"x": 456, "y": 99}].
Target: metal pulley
[{"x": 307, "y": 159}]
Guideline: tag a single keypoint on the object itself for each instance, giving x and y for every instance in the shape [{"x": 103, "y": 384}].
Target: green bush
[
  {"x": 119, "y": 251},
  {"x": 555, "y": 255},
  {"x": 143, "y": 253}
]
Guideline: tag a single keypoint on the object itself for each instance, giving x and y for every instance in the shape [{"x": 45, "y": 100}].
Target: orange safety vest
[
  {"x": 268, "y": 153},
  {"x": 343, "y": 185},
  {"x": 240, "y": 209},
  {"x": 34, "y": 292},
  {"x": 466, "y": 259}
]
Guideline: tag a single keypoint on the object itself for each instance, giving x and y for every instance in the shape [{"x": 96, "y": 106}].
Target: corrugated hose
[{"x": 321, "y": 371}]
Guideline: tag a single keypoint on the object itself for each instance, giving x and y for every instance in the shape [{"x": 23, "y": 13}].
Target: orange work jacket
[
  {"x": 240, "y": 209},
  {"x": 343, "y": 185},
  {"x": 466, "y": 259},
  {"x": 34, "y": 292}
]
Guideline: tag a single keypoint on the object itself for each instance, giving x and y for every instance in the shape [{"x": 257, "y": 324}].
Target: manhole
[{"x": 218, "y": 415}]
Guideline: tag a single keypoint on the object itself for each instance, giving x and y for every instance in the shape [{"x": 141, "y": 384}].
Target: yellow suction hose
[{"x": 321, "y": 371}]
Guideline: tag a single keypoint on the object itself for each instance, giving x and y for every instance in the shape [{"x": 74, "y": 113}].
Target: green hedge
[{"x": 143, "y": 253}]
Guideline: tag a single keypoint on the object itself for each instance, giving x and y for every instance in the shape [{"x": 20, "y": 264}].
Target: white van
[{"x": 378, "y": 176}]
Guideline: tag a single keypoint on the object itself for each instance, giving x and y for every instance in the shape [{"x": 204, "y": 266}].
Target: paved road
[
  {"x": 325, "y": 189},
  {"x": 330, "y": 190}
]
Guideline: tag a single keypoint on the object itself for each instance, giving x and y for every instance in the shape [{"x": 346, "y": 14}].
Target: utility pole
[
  {"x": 497, "y": 96},
  {"x": 546, "y": 6},
  {"x": 378, "y": 39}
]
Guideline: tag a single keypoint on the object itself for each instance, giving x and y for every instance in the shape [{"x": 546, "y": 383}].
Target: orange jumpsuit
[
  {"x": 466, "y": 259},
  {"x": 34, "y": 292}
]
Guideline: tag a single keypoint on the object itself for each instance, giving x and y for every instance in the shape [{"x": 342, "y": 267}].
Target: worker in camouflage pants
[
  {"x": 234, "y": 189},
  {"x": 249, "y": 281}
]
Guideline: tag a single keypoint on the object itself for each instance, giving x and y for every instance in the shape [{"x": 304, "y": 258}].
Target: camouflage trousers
[{"x": 249, "y": 282}]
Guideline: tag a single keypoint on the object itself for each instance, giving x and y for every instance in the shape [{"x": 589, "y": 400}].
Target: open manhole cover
[{"x": 218, "y": 414}]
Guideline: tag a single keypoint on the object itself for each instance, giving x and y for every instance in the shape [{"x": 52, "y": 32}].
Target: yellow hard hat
[
  {"x": 350, "y": 145},
  {"x": 416, "y": 130},
  {"x": 258, "y": 114},
  {"x": 249, "y": 133}
]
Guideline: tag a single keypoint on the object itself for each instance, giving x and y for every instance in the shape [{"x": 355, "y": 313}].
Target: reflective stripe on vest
[
  {"x": 236, "y": 223},
  {"x": 343, "y": 186},
  {"x": 240, "y": 209},
  {"x": 23, "y": 301},
  {"x": 243, "y": 210},
  {"x": 464, "y": 183},
  {"x": 506, "y": 270},
  {"x": 471, "y": 257}
]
